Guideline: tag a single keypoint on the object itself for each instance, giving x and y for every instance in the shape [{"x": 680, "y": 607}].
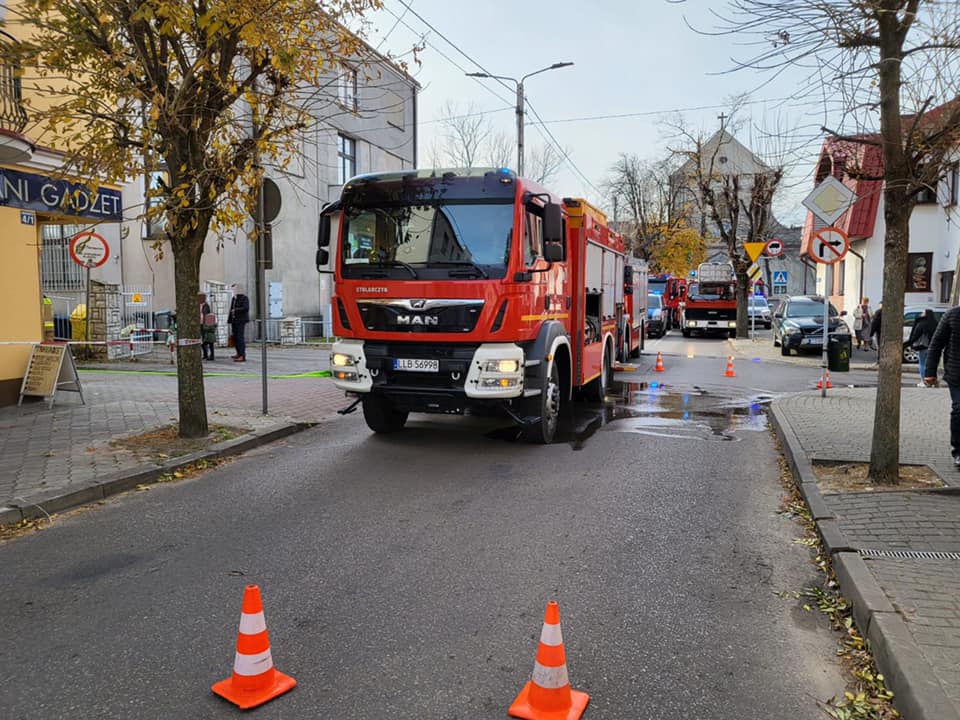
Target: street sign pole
[
  {"x": 86, "y": 332},
  {"x": 824, "y": 364}
]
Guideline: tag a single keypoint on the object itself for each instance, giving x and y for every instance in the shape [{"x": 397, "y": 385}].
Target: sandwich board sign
[{"x": 50, "y": 368}]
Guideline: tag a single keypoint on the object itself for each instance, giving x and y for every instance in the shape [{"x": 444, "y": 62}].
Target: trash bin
[
  {"x": 78, "y": 322},
  {"x": 838, "y": 353}
]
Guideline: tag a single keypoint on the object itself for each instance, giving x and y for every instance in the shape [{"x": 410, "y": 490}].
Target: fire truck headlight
[
  {"x": 499, "y": 382},
  {"x": 343, "y": 375},
  {"x": 691, "y": 323},
  {"x": 732, "y": 323},
  {"x": 501, "y": 366},
  {"x": 342, "y": 360}
]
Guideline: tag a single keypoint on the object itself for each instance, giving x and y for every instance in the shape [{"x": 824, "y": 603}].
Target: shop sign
[{"x": 43, "y": 194}]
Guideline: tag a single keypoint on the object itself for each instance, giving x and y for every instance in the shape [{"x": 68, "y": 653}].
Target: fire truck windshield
[
  {"x": 439, "y": 240},
  {"x": 709, "y": 291}
]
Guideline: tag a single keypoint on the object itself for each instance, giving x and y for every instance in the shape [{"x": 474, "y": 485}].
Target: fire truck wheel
[
  {"x": 547, "y": 409},
  {"x": 597, "y": 388},
  {"x": 381, "y": 416},
  {"x": 635, "y": 351},
  {"x": 625, "y": 340}
]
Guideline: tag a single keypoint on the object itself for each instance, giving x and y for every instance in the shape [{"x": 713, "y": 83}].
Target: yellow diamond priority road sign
[{"x": 829, "y": 200}]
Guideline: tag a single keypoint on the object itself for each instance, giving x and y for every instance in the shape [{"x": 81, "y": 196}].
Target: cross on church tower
[{"x": 721, "y": 117}]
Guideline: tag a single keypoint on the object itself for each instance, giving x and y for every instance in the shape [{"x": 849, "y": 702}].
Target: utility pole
[
  {"x": 520, "y": 102},
  {"x": 261, "y": 254}
]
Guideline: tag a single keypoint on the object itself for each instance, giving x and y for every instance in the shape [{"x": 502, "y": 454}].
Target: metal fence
[{"x": 137, "y": 318}]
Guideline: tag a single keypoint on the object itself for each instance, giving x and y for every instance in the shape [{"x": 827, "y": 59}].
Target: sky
[{"x": 633, "y": 58}]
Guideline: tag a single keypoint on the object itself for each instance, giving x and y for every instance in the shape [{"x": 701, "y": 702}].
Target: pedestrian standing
[
  {"x": 204, "y": 308},
  {"x": 208, "y": 335},
  {"x": 861, "y": 322},
  {"x": 875, "y": 325},
  {"x": 920, "y": 336},
  {"x": 238, "y": 318},
  {"x": 946, "y": 342}
]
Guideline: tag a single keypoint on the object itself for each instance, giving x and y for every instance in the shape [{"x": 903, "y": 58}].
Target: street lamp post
[{"x": 520, "y": 102}]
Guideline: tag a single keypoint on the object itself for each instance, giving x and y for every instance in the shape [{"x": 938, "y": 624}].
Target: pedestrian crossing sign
[{"x": 779, "y": 277}]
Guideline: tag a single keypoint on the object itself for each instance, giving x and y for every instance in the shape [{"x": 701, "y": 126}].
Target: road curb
[
  {"x": 918, "y": 694},
  {"x": 46, "y": 503}
]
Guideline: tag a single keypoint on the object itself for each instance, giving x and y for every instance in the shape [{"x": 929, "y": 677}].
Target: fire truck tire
[
  {"x": 635, "y": 352},
  {"x": 381, "y": 416},
  {"x": 547, "y": 410},
  {"x": 625, "y": 340},
  {"x": 597, "y": 388}
]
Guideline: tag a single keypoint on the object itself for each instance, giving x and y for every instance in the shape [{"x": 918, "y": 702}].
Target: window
[
  {"x": 58, "y": 271},
  {"x": 155, "y": 225},
  {"x": 952, "y": 178},
  {"x": 348, "y": 89},
  {"x": 346, "y": 158},
  {"x": 839, "y": 277},
  {"x": 533, "y": 237},
  {"x": 946, "y": 286},
  {"x": 927, "y": 196}
]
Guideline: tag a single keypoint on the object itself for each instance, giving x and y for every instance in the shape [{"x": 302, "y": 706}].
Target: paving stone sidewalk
[
  {"x": 46, "y": 451},
  {"x": 905, "y": 559}
]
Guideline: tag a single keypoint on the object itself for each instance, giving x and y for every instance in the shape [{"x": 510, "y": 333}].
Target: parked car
[
  {"x": 910, "y": 315},
  {"x": 798, "y": 324},
  {"x": 759, "y": 308},
  {"x": 656, "y": 321}
]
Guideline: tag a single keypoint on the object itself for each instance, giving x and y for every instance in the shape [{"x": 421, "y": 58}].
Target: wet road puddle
[{"x": 692, "y": 413}]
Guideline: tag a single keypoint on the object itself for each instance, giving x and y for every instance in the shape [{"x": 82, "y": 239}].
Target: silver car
[{"x": 759, "y": 309}]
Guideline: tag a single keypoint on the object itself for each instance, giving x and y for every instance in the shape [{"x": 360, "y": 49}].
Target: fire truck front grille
[
  {"x": 420, "y": 316},
  {"x": 711, "y": 313}
]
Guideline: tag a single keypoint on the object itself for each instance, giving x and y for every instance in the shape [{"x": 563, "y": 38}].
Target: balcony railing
[{"x": 12, "y": 115}]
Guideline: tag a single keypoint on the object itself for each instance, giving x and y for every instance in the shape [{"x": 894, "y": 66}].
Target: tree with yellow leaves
[
  {"x": 199, "y": 88},
  {"x": 677, "y": 250}
]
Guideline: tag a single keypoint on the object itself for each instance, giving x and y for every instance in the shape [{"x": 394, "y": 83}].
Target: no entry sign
[{"x": 89, "y": 250}]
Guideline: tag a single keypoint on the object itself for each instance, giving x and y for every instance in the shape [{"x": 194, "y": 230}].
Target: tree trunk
[
  {"x": 885, "y": 451},
  {"x": 192, "y": 399},
  {"x": 885, "y": 448},
  {"x": 743, "y": 294}
]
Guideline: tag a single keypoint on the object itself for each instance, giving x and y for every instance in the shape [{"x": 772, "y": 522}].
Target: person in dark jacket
[
  {"x": 238, "y": 317},
  {"x": 875, "y": 328},
  {"x": 920, "y": 337},
  {"x": 946, "y": 342}
]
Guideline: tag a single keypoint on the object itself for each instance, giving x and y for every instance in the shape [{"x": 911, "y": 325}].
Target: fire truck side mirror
[
  {"x": 323, "y": 233},
  {"x": 552, "y": 224},
  {"x": 553, "y": 252}
]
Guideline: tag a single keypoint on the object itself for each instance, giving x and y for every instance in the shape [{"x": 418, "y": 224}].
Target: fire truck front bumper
[
  {"x": 710, "y": 324},
  {"x": 430, "y": 378}
]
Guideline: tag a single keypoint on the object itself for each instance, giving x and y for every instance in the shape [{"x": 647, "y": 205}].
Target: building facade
[
  {"x": 364, "y": 119},
  {"x": 934, "y": 231},
  {"x": 39, "y": 214}
]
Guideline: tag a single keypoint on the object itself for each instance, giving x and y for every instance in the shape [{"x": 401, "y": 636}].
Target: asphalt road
[{"x": 406, "y": 576}]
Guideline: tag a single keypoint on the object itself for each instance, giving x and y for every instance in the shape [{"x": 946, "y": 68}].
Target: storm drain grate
[{"x": 910, "y": 554}]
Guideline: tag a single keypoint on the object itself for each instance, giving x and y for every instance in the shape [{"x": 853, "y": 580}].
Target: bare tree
[
  {"x": 500, "y": 151},
  {"x": 876, "y": 55},
  {"x": 544, "y": 163},
  {"x": 464, "y": 134}
]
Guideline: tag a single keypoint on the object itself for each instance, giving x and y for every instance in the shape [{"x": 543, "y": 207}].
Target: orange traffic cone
[
  {"x": 820, "y": 381},
  {"x": 254, "y": 680},
  {"x": 659, "y": 367},
  {"x": 730, "y": 371},
  {"x": 548, "y": 695}
]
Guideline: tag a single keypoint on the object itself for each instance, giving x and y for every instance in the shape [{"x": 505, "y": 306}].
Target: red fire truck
[
  {"x": 711, "y": 304},
  {"x": 673, "y": 292},
  {"x": 459, "y": 289},
  {"x": 635, "y": 291}
]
